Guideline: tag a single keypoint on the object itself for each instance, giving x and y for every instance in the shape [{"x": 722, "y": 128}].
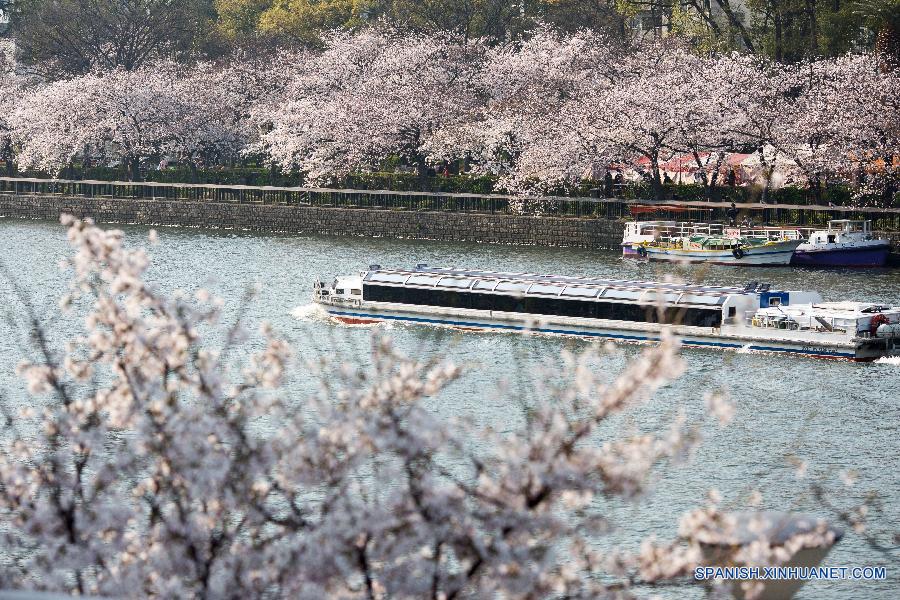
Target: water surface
[{"x": 834, "y": 415}]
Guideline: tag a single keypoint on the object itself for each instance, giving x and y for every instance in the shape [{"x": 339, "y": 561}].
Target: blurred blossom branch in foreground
[{"x": 142, "y": 469}]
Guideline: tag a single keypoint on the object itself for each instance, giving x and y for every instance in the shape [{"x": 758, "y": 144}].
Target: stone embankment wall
[{"x": 451, "y": 227}]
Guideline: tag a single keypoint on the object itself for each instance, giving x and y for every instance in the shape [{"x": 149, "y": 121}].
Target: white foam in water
[
  {"x": 889, "y": 360},
  {"x": 309, "y": 312}
]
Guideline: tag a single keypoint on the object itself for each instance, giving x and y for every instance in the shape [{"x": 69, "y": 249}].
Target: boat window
[
  {"x": 482, "y": 284},
  {"x": 356, "y": 292},
  {"x": 732, "y": 311},
  {"x": 387, "y": 277},
  {"x": 580, "y": 292},
  {"x": 338, "y": 291},
  {"x": 655, "y": 297},
  {"x": 700, "y": 299},
  {"x": 622, "y": 294},
  {"x": 509, "y": 286},
  {"x": 551, "y": 290},
  {"x": 455, "y": 283},
  {"x": 619, "y": 311},
  {"x": 423, "y": 280},
  {"x": 775, "y": 301}
]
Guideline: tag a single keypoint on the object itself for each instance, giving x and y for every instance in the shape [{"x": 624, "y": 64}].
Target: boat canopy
[{"x": 554, "y": 286}]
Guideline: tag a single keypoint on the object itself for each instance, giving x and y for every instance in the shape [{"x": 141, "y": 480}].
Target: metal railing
[{"x": 884, "y": 219}]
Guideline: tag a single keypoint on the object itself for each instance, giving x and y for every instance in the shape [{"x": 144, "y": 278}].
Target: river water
[{"x": 835, "y": 416}]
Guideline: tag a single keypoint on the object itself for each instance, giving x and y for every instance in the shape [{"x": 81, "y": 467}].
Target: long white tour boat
[{"x": 753, "y": 318}]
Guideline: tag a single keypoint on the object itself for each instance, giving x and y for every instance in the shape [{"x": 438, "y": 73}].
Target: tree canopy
[
  {"x": 66, "y": 37},
  {"x": 57, "y": 38}
]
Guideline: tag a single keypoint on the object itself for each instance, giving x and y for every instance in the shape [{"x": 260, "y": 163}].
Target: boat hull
[
  {"x": 845, "y": 256},
  {"x": 774, "y": 254},
  {"x": 845, "y": 350}
]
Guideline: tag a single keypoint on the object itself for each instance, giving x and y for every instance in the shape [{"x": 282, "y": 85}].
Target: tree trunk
[
  {"x": 778, "y": 34},
  {"x": 813, "y": 28},
  {"x": 815, "y": 185},
  {"x": 767, "y": 174},
  {"x": 710, "y": 182},
  {"x": 135, "y": 165},
  {"x": 737, "y": 24},
  {"x": 656, "y": 180},
  {"x": 7, "y": 156},
  {"x": 422, "y": 171}
]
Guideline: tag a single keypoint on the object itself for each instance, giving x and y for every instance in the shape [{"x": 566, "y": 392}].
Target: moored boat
[
  {"x": 722, "y": 250},
  {"x": 638, "y": 233},
  {"x": 753, "y": 318},
  {"x": 709, "y": 242},
  {"x": 845, "y": 243}
]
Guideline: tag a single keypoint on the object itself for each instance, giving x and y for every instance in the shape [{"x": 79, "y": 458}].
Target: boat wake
[
  {"x": 310, "y": 312},
  {"x": 316, "y": 313},
  {"x": 888, "y": 360}
]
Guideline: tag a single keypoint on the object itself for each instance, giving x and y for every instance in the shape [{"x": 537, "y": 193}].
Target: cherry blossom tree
[
  {"x": 12, "y": 87},
  {"x": 541, "y": 114},
  {"x": 55, "y": 122},
  {"x": 634, "y": 109},
  {"x": 712, "y": 120},
  {"x": 370, "y": 96},
  {"x": 843, "y": 118},
  {"x": 652, "y": 112},
  {"x": 524, "y": 131},
  {"x": 130, "y": 116},
  {"x": 236, "y": 98}
]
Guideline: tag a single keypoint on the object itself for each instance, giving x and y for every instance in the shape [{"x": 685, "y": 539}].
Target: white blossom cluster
[
  {"x": 549, "y": 111},
  {"x": 141, "y": 468}
]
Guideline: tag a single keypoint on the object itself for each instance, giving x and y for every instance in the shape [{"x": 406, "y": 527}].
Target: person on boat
[{"x": 732, "y": 214}]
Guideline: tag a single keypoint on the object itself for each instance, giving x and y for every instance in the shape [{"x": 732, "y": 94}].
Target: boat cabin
[
  {"x": 856, "y": 319},
  {"x": 841, "y": 231},
  {"x": 463, "y": 290}
]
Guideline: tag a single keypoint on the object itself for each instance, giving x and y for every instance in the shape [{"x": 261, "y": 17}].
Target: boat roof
[
  {"x": 643, "y": 224},
  {"x": 833, "y": 310},
  {"x": 585, "y": 288}
]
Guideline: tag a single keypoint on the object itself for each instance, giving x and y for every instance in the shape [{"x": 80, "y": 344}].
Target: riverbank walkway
[{"x": 884, "y": 219}]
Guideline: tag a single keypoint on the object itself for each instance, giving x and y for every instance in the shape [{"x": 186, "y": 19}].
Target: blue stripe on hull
[{"x": 630, "y": 338}]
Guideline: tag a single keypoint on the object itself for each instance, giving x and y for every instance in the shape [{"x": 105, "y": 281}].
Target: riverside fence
[{"x": 884, "y": 219}]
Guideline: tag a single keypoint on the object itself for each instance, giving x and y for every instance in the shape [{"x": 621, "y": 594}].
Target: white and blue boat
[
  {"x": 845, "y": 243},
  {"x": 753, "y": 318}
]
